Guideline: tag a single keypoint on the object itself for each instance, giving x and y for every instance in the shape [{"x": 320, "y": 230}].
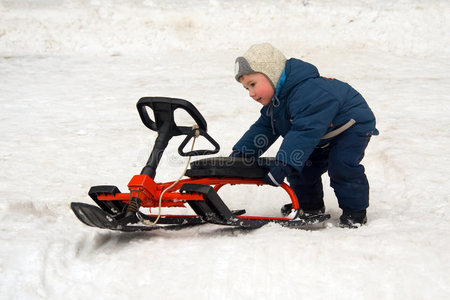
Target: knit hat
[{"x": 261, "y": 58}]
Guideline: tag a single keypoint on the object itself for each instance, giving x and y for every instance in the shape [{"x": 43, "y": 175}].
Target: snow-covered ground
[{"x": 71, "y": 72}]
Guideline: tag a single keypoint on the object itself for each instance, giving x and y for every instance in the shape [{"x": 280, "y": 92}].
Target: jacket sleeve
[
  {"x": 311, "y": 110},
  {"x": 258, "y": 138}
]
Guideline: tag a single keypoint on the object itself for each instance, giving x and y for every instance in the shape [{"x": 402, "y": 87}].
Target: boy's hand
[{"x": 276, "y": 174}]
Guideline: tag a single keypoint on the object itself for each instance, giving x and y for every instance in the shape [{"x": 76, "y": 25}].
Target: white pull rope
[{"x": 147, "y": 222}]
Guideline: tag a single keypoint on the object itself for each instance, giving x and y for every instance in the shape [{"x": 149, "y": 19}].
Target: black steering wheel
[{"x": 164, "y": 121}]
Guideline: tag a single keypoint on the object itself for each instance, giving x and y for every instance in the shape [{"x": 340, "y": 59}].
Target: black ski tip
[
  {"x": 94, "y": 216},
  {"x": 90, "y": 215}
]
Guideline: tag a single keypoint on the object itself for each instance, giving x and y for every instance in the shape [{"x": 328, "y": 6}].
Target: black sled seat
[{"x": 230, "y": 167}]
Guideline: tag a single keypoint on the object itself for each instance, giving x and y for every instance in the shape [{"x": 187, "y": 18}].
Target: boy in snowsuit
[{"x": 326, "y": 126}]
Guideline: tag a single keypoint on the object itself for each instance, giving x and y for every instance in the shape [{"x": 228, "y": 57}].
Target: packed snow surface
[{"x": 71, "y": 72}]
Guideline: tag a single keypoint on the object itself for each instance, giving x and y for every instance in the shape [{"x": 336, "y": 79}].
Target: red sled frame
[{"x": 145, "y": 189}]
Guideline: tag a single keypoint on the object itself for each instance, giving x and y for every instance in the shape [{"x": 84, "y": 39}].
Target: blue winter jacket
[{"x": 305, "y": 107}]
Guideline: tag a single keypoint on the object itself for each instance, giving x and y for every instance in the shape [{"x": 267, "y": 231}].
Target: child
[{"x": 326, "y": 126}]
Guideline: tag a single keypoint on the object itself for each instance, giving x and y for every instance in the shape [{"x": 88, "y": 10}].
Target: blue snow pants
[{"x": 341, "y": 158}]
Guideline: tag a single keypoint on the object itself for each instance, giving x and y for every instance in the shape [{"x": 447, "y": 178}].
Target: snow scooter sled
[{"x": 120, "y": 211}]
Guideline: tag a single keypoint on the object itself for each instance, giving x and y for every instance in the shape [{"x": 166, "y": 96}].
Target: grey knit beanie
[{"x": 261, "y": 58}]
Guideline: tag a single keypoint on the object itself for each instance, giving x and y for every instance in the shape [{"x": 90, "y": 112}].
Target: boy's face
[{"x": 259, "y": 87}]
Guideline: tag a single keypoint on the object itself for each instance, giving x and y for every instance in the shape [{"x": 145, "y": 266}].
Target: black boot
[
  {"x": 352, "y": 219},
  {"x": 287, "y": 208}
]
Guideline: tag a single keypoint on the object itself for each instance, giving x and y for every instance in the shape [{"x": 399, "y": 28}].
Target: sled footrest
[
  {"x": 111, "y": 207},
  {"x": 214, "y": 210}
]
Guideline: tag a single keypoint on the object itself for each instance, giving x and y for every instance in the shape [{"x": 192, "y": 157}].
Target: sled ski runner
[
  {"x": 94, "y": 216},
  {"x": 212, "y": 210},
  {"x": 120, "y": 211}
]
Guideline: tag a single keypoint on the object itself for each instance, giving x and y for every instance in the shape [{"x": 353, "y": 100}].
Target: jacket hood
[{"x": 296, "y": 72}]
